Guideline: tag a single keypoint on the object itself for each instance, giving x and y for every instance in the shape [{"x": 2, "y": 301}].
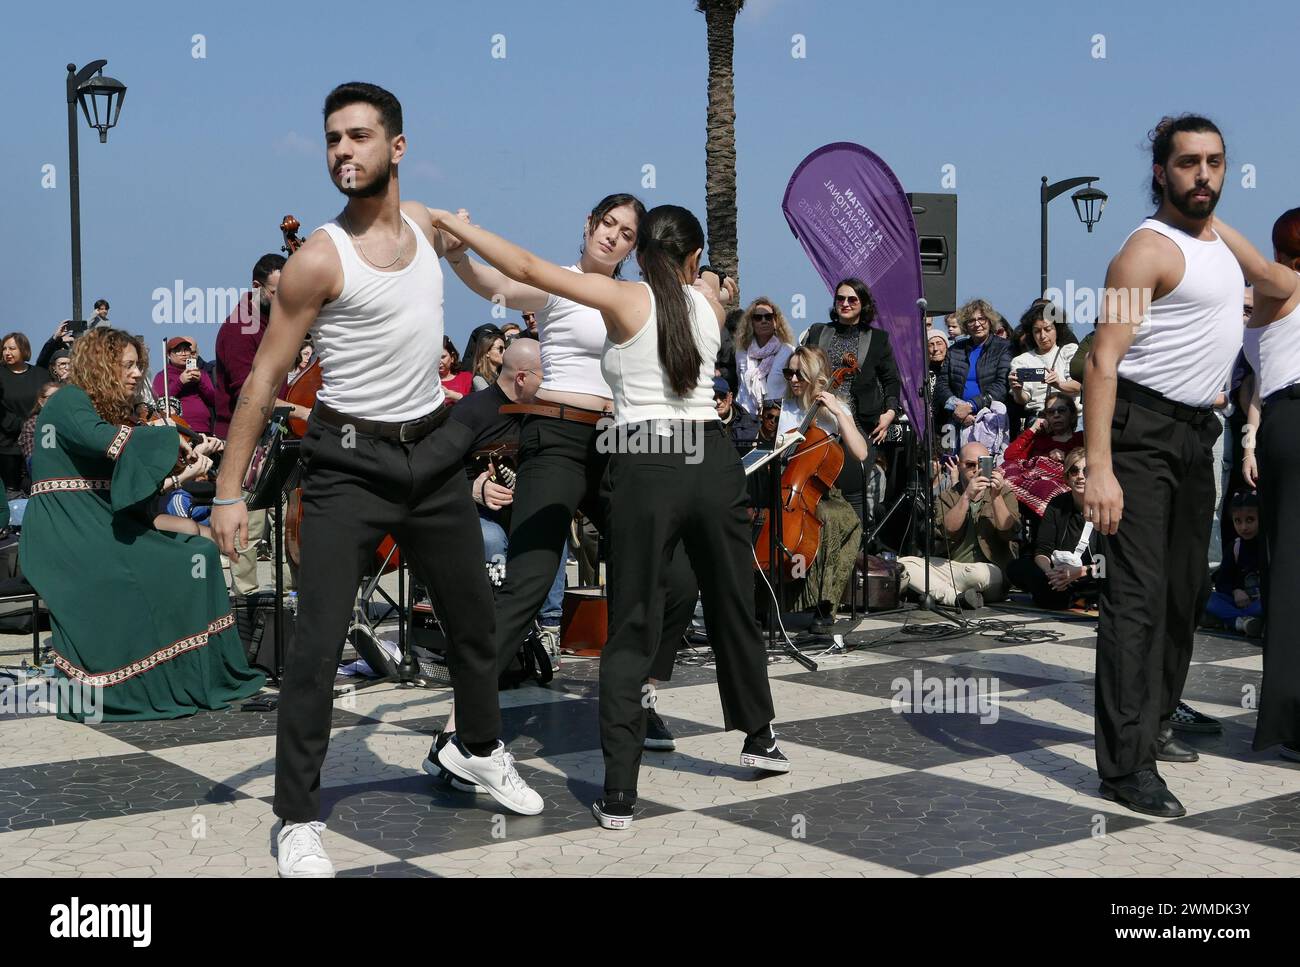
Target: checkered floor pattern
[{"x": 945, "y": 789}]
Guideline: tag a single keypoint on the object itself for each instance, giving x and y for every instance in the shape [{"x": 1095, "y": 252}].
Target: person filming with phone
[
  {"x": 188, "y": 384},
  {"x": 976, "y": 524},
  {"x": 1045, "y": 368}
]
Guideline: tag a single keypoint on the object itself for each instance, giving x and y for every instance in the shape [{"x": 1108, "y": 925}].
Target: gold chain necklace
[{"x": 397, "y": 258}]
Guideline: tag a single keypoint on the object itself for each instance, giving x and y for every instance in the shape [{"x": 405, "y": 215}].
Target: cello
[{"x": 811, "y": 470}]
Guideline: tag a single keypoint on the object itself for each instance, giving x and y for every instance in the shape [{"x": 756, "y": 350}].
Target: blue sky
[{"x": 211, "y": 152}]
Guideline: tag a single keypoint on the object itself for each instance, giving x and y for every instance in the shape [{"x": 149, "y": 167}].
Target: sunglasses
[
  {"x": 1057, "y": 411},
  {"x": 1076, "y": 472},
  {"x": 850, "y": 300},
  {"x": 763, "y": 316},
  {"x": 792, "y": 374}
]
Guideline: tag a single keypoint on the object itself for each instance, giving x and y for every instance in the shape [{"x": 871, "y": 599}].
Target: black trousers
[
  {"x": 352, "y": 496},
  {"x": 1154, "y": 587},
  {"x": 1028, "y": 576},
  {"x": 1279, "y": 498},
  {"x": 562, "y": 470},
  {"x": 659, "y": 502}
]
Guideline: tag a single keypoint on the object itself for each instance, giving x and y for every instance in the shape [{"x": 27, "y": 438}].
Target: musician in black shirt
[{"x": 1054, "y": 581}]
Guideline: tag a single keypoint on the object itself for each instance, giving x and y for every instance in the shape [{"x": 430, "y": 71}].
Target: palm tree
[{"x": 720, "y": 143}]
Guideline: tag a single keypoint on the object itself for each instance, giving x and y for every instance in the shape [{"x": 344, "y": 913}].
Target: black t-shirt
[
  {"x": 1061, "y": 528},
  {"x": 20, "y": 391},
  {"x": 491, "y": 429}
]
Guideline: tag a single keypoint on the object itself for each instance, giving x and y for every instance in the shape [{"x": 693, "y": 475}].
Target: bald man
[{"x": 976, "y": 524}]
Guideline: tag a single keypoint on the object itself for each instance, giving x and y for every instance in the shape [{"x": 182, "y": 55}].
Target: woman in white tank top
[
  {"x": 674, "y": 478},
  {"x": 1272, "y": 345},
  {"x": 560, "y": 465}
]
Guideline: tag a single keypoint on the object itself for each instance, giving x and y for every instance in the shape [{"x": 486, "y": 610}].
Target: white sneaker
[
  {"x": 299, "y": 853},
  {"x": 496, "y": 773}
]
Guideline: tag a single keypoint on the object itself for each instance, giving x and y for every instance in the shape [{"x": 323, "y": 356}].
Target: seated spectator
[
  {"x": 738, "y": 424},
  {"x": 479, "y": 331},
  {"x": 1062, "y": 567},
  {"x": 763, "y": 343},
  {"x": 1051, "y": 348},
  {"x": 456, "y": 382},
  {"x": 1236, "y": 598},
  {"x": 61, "y": 366},
  {"x": 188, "y": 384},
  {"x": 974, "y": 374},
  {"x": 488, "y": 350},
  {"x": 808, "y": 375},
  {"x": 976, "y": 524},
  {"x": 27, "y": 439},
  {"x": 510, "y": 332},
  {"x": 1035, "y": 461},
  {"x": 520, "y": 376}
]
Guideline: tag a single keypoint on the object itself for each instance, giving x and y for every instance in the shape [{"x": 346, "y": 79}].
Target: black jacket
[
  {"x": 876, "y": 387},
  {"x": 992, "y": 372}
]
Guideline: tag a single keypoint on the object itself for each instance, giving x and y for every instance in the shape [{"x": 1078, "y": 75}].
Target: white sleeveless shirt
[
  {"x": 1185, "y": 347},
  {"x": 637, "y": 380},
  {"x": 1274, "y": 353},
  {"x": 572, "y": 339},
  {"x": 380, "y": 340}
]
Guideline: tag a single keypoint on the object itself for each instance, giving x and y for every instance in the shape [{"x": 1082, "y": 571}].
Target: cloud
[{"x": 295, "y": 144}]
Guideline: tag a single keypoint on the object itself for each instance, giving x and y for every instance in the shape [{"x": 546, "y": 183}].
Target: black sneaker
[
  {"x": 1187, "y": 719},
  {"x": 761, "y": 752},
  {"x": 1251, "y": 627},
  {"x": 657, "y": 736},
  {"x": 615, "y": 810},
  {"x": 433, "y": 768}
]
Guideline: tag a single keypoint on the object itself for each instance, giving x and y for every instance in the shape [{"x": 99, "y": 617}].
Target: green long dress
[{"x": 141, "y": 616}]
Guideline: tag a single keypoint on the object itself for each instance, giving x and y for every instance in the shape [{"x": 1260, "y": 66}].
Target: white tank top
[
  {"x": 380, "y": 340},
  {"x": 1185, "y": 347},
  {"x": 572, "y": 337},
  {"x": 1274, "y": 353},
  {"x": 637, "y": 379}
]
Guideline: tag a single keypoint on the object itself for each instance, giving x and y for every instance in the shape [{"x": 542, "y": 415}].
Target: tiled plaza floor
[{"x": 1000, "y": 785}]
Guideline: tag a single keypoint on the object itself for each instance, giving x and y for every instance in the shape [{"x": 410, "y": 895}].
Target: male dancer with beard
[
  {"x": 1168, "y": 333},
  {"x": 379, "y": 458}
]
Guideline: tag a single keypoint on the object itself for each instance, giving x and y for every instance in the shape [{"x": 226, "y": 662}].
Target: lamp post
[
  {"x": 101, "y": 96},
  {"x": 1088, "y": 205}
]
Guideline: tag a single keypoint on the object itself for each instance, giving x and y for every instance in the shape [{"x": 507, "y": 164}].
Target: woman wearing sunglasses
[
  {"x": 764, "y": 343},
  {"x": 808, "y": 376},
  {"x": 1053, "y": 581},
  {"x": 1052, "y": 435}
]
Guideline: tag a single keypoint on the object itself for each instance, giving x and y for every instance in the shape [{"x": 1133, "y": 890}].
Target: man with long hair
[{"x": 1150, "y": 428}]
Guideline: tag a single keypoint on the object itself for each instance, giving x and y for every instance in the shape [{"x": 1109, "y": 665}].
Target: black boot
[{"x": 1143, "y": 792}]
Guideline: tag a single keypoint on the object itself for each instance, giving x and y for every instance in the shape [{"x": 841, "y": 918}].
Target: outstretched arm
[
  {"x": 624, "y": 304},
  {"x": 1269, "y": 278},
  {"x": 488, "y": 282}
]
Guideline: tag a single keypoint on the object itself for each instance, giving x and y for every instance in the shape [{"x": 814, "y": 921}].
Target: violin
[{"x": 811, "y": 470}]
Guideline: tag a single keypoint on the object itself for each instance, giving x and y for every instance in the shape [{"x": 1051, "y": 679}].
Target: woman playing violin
[
  {"x": 808, "y": 376},
  {"x": 90, "y": 547}
]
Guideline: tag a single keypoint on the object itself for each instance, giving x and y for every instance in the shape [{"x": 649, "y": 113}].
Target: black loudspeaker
[{"x": 936, "y": 231}]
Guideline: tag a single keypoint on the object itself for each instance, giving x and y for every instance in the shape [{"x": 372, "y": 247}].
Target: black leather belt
[
  {"x": 1126, "y": 389},
  {"x": 407, "y": 432},
  {"x": 1291, "y": 392}
]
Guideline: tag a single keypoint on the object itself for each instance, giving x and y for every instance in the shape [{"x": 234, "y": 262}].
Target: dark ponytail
[{"x": 668, "y": 236}]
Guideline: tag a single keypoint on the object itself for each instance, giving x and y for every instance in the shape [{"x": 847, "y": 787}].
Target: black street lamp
[
  {"x": 101, "y": 102},
  {"x": 1088, "y": 205}
]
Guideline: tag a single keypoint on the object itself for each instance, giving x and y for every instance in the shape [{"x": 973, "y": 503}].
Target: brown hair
[
  {"x": 1286, "y": 235},
  {"x": 97, "y": 369},
  {"x": 979, "y": 305},
  {"x": 24, "y": 345}
]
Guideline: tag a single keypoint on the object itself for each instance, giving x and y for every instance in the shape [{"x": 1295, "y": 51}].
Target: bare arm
[
  {"x": 625, "y": 305},
  {"x": 1269, "y": 278},
  {"x": 490, "y": 283}
]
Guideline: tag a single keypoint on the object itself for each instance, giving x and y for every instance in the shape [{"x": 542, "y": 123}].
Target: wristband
[{"x": 226, "y": 501}]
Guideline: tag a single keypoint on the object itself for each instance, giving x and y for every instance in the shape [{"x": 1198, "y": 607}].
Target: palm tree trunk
[{"x": 720, "y": 143}]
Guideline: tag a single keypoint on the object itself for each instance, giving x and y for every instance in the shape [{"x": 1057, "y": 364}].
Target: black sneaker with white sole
[
  {"x": 761, "y": 752},
  {"x": 1187, "y": 719},
  {"x": 435, "y": 769},
  {"x": 657, "y": 736},
  {"x": 615, "y": 810}
]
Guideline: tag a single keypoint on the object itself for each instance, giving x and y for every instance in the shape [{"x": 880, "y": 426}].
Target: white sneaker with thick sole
[
  {"x": 299, "y": 853},
  {"x": 496, "y": 773}
]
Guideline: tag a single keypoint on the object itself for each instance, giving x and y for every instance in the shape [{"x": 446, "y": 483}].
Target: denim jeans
[{"x": 495, "y": 543}]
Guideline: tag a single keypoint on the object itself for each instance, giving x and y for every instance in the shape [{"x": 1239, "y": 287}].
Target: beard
[
  {"x": 1194, "y": 208},
  {"x": 375, "y": 187}
]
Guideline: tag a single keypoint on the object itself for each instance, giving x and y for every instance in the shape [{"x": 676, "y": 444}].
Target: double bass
[{"x": 811, "y": 470}]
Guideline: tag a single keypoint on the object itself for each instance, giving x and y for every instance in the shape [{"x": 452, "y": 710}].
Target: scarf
[{"x": 761, "y": 359}]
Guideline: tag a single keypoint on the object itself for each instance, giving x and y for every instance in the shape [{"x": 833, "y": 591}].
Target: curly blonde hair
[
  {"x": 745, "y": 328},
  {"x": 96, "y": 367},
  {"x": 994, "y": 317}
]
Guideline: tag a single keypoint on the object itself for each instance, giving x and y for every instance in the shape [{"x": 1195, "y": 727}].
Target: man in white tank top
[
  {"x": 379, "y": 458},
  {"x": 1166, "y": 338}
]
